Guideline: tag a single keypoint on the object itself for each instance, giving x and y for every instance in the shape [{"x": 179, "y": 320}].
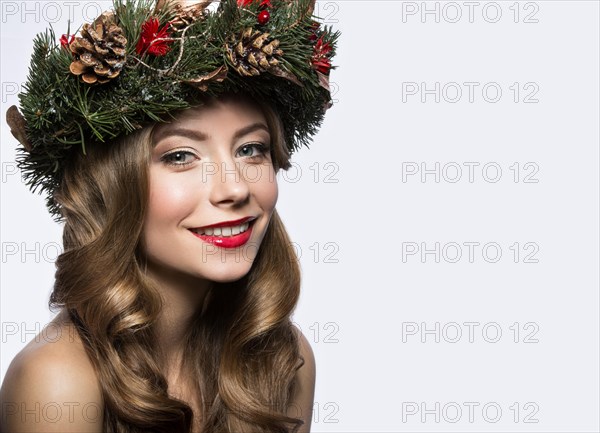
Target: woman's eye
[
  {"x": 178, "y": 158},
  {"x": 253, "y": 150}
]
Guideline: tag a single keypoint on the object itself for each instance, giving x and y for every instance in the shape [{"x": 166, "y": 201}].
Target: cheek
[
  {"x": 170, "y": 200},
  {"x": 266, "y": 190}
]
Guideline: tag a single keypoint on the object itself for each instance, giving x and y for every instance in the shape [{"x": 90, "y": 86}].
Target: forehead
[{"x": 217, "y": 116}]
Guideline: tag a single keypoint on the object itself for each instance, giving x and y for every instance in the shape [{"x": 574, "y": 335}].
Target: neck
[{"x": 183, "y": 297}]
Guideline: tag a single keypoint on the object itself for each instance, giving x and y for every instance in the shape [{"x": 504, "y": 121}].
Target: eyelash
[{"x": 261, "y": 148}]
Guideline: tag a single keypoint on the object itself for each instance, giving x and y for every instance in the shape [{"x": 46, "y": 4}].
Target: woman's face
[{"x": 210, "y": 167}]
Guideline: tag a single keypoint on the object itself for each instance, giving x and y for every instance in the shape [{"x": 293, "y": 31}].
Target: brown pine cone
[
  {"x": 252, "y": 52},
  {"x": 100, "y": 52}
]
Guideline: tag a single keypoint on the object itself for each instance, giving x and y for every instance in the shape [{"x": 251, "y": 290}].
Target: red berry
[{"x": 263, "y": 17}]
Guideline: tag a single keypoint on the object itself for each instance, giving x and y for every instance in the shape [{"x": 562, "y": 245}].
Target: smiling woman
[
  {"x": 211, "y": 172},
  {"x": 200, "y": 326},
  {"x": 178, "y": 280}
]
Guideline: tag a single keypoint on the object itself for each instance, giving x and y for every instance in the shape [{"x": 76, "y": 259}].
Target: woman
[{"x": 178, "y": 279}]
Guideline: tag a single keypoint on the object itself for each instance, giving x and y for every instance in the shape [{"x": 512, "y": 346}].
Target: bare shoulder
[
  {"x": 51, "y": 385},
  {"x": 307, "y": 353},
  {"x": 302, "y": 402}
]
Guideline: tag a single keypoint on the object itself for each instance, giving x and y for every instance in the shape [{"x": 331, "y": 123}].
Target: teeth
[{"x": 224, "y": 231}]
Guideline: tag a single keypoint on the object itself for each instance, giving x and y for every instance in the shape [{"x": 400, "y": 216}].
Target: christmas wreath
[{"x": 143, "y": 60}]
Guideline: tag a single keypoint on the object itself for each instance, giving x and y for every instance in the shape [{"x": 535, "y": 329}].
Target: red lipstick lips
[
  {"x": 228, "y": 241},
  {"x": 227, "y": 223}
]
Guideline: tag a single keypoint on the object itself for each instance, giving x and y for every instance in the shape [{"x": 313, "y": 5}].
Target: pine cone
[
  {"x": 100, "y": 53},
  {"x": 186, "y": 16},
  {"x": 253, "y": 53}
]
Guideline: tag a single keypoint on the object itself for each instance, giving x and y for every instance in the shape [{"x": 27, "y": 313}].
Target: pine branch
[{"x": 64, "y": 115}]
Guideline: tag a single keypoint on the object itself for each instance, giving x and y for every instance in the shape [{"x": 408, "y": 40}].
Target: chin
[{"x": 228, "y": 274}]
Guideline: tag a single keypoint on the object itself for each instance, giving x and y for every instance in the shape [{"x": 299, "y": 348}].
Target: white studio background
[{"x": 446, "y": 215}]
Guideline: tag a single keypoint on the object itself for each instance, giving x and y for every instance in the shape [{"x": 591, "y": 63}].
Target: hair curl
[{"x": 242, "y": 349}]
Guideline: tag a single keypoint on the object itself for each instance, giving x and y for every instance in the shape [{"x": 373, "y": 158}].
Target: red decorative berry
[
  {"x": 150, "y": 40},
  {"x": 65, "y": 42},
  {"x": 246, "y": 3},
  {"x": 320, "y": 58},
  {"x": 263, "y": 17}
]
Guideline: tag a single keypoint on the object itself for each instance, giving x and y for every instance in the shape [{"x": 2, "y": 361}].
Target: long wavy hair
[{"x": 242, "y": 349}]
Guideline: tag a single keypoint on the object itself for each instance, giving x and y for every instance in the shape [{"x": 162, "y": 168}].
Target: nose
[{"x": 228, "y": 185}]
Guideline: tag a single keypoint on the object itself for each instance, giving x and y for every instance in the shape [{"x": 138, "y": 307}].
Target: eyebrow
[{"x": 201, "y": 136}]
